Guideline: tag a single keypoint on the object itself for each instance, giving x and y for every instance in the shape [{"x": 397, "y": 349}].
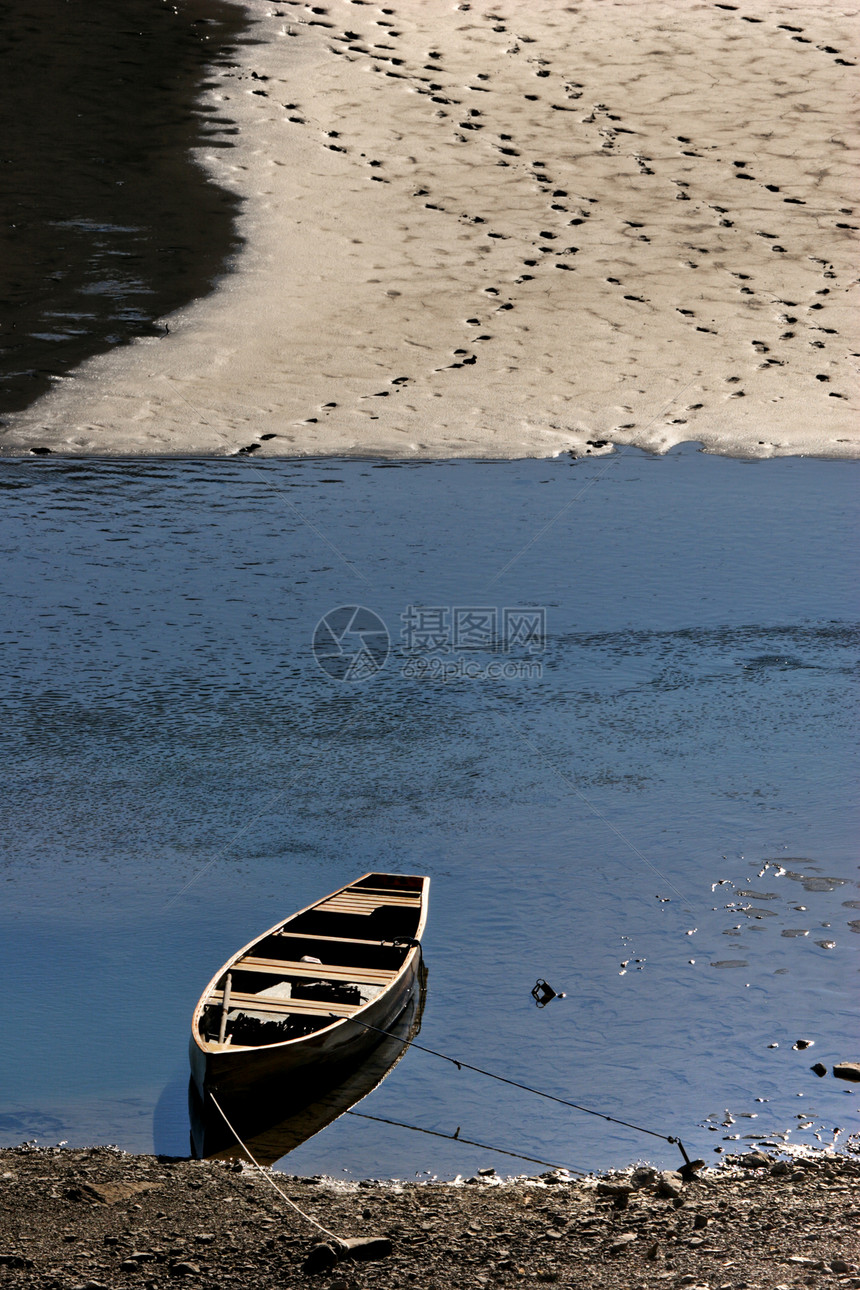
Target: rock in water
[{"x": 847, "y": 1070}]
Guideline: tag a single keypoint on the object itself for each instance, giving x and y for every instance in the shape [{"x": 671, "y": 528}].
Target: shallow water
[
  {"x": 674, "y": 791},
  {"x": 107, "y": 222}
]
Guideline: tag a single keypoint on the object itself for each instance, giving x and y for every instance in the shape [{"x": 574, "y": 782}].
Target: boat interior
[{"x": 320, "y": 965}]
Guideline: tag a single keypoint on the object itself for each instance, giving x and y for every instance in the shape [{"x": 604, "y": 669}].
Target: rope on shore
[
  {"x": 455, "y": 1137},
  {"x": 269, "y": 1179},
  {"x": 527, "y": 1088}
]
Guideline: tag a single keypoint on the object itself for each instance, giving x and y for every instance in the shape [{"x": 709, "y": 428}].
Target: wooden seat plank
[
  {"x": 369, "y": 900},
  {"x": 375, "y": 893},
  {"x": 412, "y": 897},
  {"x": 315, "y": 971},
  {"x": 284, "y": 1007},
  {"x": 331, "y": 940}
]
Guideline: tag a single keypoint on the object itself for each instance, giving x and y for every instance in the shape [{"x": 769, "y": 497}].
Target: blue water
[{"x": 179, "y": 772}]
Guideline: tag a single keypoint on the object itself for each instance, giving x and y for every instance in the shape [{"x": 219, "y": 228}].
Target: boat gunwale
[{"x": 213, "y": 1048}]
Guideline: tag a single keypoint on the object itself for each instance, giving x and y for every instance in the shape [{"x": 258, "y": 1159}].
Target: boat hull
[{"x": 370, "y": 932}]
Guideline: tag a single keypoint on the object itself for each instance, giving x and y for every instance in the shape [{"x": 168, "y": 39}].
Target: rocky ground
[{"x": 99, "y": 1218}]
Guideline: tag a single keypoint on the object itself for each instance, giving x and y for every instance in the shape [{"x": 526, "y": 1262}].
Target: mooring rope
[
  {"x": 526, "y": 1088},
  {"x": 268, "y": 1177},
  {"x": 455, "y": 1137}
]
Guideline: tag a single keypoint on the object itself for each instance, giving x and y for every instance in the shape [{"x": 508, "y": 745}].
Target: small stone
[
  {"x": 205, "y": 1238},
  {"x": 111, "y": 1193},
  {"x": 185, "y": 1269},
  {"x": 841, "y": 1266},
  {"x": 669, "y": 1183},
  {"x": 489, "y": 1172},
  {"x": 619, "y": 1193},
  {"x": 320, "y": 1256},
  {"x": 622, "y": 1242},
  {"x": 653, "y": 1251},
  {"x": 700, "y": 1221},
  {"x": 847, "y": 1070},
  {"x": 819, "y": 1069},
  {"x": 780, "y": 1168},
  {"x": 800, "y": 1044},
  {"x": 365, "y": 1247},
  {"x": 754, "y": 1160}
]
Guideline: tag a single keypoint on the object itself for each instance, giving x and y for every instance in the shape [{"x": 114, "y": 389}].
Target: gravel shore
[{"x": 100, "y": 1218}]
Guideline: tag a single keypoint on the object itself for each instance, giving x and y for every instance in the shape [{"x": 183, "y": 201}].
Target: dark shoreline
[
  {"x": 106, "y": 221},
  {"x": 98, "y": 1218}
]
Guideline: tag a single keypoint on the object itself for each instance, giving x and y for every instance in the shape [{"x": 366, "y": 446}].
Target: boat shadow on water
[{"x": 275, "y": 1119}]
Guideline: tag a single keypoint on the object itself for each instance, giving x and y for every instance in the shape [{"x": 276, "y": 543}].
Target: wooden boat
[
  {"x": 300, "y": 1002},
  {"x": 273, "y": 1125}
]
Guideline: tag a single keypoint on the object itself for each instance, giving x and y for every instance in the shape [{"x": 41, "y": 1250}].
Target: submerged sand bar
[{"x": 513, "y": 230}]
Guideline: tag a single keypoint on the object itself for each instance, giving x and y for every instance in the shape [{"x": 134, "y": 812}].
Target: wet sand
[
  {"x": 493, "y": 231},
  {"x": 97, "y": 1218}
]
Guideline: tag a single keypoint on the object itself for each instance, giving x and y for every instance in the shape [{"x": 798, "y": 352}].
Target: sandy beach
[{"x": 478, "y": 230}]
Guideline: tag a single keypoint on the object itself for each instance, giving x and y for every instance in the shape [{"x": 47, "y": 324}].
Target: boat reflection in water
[{"x": 275, "y": 1119}]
